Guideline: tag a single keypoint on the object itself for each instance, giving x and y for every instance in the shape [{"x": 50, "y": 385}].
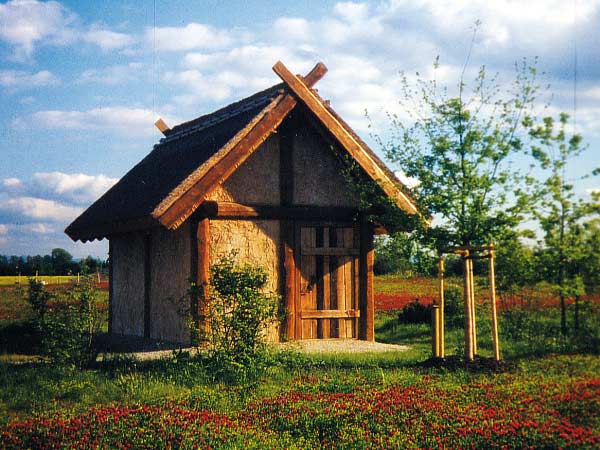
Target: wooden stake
[
  {"x": 435, "y": 331},
  {"x": 36, "y": 275},
  {"x": 442, "y": 299},
  {"x": 492, "y": 275},
  {"x": 469, "y": 354},
  {"x": 473, "y": 317}
]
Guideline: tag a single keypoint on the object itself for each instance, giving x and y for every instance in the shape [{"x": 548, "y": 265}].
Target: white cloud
[
  {"x": 69, "y": 188},
  {"x": 351, "y": 11},
  {"x": 23, "y": 209},
  {"x": 76, "y": 187},
  {"x": 117, "y": 118},
  {"x": 192, "y": 36},
  {"x": 112, "y": 75},
  {"x": 19, "y": 79},
  {"x": 293, "y": 28},
  {"x": 27, "y": 24},
  {"x": 3, "y": 228},
  {"x": 106, "y": 39},
  {"x": 40, "y": 228},
  {"x": 12, "y": 183}
]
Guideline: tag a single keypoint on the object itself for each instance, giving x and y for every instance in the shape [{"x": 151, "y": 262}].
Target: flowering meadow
[{"x": 549, "y": 403}]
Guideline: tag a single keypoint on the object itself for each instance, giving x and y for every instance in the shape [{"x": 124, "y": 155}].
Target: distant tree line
[{"x": 58, "y": 262}]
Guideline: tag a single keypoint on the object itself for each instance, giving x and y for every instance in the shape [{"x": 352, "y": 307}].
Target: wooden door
[{"x": 328, "y": 282}]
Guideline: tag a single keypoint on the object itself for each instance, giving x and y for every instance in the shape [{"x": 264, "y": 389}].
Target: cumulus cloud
[
  {"x": 69, "y": 188},
  {"x": 192, "y": 36},
  {"x": 40, "y": 228},
  {"x": 112, "y": 75},
  {"x": 107, "y": 39},
  {"x": 26, "y": 209},
  {"x": 20, "y": 79},
  {"x": 27, "y": 24},
  {"x": 117, "y": 118},
  {"x": 76, "y": 187},
  {"x": 35, "y": 211}
]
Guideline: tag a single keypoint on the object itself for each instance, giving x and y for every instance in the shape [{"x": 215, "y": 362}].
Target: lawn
[{"x": 393, "y": 400}]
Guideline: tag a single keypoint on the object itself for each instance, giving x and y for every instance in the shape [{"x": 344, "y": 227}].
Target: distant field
[
  {"x": 393, "y": 293},
  {"x": 49, "y": 279}
]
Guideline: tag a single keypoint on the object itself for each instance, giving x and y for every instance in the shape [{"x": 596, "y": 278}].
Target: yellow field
[{"x": 62, "y": 279}]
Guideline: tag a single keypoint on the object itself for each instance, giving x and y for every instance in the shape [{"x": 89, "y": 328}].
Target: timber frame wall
[{"x": 290, "y": 218}]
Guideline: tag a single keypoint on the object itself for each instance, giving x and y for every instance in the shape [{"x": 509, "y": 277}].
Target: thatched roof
[{"x": 173, "y": 180}]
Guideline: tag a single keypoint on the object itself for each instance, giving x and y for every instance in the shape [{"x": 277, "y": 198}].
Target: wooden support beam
[
  {"x": 162, "y": 126},
  {"x": 111, "y": 295},
  {"x": 289, "y": 266},
  {"x": 329, "y": 314},
  {"x": 492, "y": 280},
  {"x": 473, "y": 315},
  {"x": 286, "y": 198},
  {"x": 304, "y": 93},
  {"x": 442, "y": 345},
  {"x": 366, "y": 297},
  {"x": 469, "y": 354},
  {"x": 202, "y": 272},
  {"x": 435, "y": 331},
  {"x": 147, "y": 284},
  {"x": 230, "y": 210}
]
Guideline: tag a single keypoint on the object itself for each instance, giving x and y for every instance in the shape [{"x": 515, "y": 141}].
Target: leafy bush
[
  {"x": 69, "y": 331},
  {"x": 454, "y": 312},
  {"x": 415, "y": 312},
  {"x": 239, "y": 311},
  {"x": 38, "y": 298}
]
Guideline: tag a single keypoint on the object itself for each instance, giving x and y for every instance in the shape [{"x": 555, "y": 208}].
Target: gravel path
[
  {"x": 342, "y": 346},
  {"x": 308, "y": 346}
]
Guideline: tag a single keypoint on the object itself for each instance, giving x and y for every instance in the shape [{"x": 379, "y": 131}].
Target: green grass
[{"x": 529, "y": 338}]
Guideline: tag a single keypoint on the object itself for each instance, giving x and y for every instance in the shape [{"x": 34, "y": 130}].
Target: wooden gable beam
[
  {"x": 304, "y": 93},
  {"x": 181, "y": 203}
]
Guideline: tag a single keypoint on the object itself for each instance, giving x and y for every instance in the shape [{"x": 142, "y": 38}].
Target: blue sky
[{"x": 81, "y": 83}]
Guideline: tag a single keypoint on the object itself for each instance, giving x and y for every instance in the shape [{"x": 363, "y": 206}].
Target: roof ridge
[{"x": 208, "y": 120}]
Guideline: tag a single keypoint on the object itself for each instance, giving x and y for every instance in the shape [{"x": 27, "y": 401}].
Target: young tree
[
  {"x": 461, "y": 149},
  {"x": 561, "y": 214}
]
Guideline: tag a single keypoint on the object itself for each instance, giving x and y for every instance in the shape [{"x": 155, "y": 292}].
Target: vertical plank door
[{"x": 328, "y": 276}]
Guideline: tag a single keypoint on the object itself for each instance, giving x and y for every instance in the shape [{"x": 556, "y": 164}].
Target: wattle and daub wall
[{"x": 317, "y": 181}]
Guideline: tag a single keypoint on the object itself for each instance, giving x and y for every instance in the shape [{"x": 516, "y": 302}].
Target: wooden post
[
  {"x": 289, "y": 269},
  {"x": 367, "y": 302},
  {"x": 435, "y": 329},
  {"x": 147, "y": 284},
  {"x": 469, "y": 354},
  {"x": 286, "y": 194},
  {"x": 203, "y": 272},
  {"x": 473, "y": 316},
  {"x": 492, "y": 276},
  {"x": 110, "y": 284},
  {"x": 36, "y": 275},
  {"x": 442, "y": 345}
]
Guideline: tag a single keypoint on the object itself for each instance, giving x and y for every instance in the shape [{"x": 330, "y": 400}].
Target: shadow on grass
[{"x": 21, "y": 338}]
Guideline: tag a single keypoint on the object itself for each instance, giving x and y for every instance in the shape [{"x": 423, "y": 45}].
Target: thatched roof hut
[{"x": 262, "y": 176}]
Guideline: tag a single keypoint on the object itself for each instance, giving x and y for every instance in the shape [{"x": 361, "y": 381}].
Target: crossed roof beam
[{"x": 189, "y": 194}]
